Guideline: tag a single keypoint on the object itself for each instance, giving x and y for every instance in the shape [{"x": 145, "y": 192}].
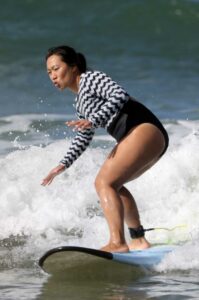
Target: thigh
[{"x": 135, "y": 154}]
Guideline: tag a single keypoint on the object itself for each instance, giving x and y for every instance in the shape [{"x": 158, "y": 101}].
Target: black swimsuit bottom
[{"x": 132, "y": 114}]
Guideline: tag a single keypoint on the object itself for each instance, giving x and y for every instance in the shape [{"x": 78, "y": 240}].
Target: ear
[{"x": 74, "y": 69}]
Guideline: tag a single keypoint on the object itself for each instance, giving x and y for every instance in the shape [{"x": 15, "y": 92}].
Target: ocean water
[{"x": 151, "y": 48}]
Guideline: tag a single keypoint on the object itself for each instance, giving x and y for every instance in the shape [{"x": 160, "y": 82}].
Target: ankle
[{"x": 137, "y": 232}]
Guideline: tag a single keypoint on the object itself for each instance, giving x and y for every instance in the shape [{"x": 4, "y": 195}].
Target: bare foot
[
  {"x": 111, "y": 247},
  {"x": 139, "y": 244}
]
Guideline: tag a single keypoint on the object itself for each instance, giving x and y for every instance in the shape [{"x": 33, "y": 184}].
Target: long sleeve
[{"x": 78, "y": 146}]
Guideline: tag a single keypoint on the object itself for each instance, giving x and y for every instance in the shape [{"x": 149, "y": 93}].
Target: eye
[{"x": 55, "y": 68}]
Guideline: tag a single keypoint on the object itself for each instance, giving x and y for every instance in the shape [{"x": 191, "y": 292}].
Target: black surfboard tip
[{"x": 90, "y": 251}]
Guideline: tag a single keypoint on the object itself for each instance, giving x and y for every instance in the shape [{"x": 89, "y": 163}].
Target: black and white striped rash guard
[{"x": 99, "y": 100}]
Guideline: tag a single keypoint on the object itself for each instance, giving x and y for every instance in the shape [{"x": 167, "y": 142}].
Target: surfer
[{"x": 141, "y": 140}]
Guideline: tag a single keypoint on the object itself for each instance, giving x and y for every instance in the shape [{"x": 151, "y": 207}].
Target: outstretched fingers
[{"x": 53, "y": 173}]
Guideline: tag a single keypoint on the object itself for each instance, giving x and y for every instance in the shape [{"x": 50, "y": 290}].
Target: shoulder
[
  {"x": 92, "y": 79},
  {"x": 92, "y": 74}
]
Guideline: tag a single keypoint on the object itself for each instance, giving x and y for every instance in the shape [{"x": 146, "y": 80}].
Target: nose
[{"x": 53, "y": 75}]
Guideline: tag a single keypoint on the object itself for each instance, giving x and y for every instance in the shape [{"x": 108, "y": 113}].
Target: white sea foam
[{"x": 68, "y": 212}]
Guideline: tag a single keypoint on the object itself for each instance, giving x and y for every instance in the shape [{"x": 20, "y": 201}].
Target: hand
[
  {"x": 53, "y": 173},
  {"x": 79, "y": 124}
]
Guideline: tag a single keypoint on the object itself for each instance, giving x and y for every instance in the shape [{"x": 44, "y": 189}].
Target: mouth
[{"x": 56, "y": 84}]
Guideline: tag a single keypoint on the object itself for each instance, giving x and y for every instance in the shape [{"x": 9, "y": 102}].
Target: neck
[{"x": 75, "y": 86}]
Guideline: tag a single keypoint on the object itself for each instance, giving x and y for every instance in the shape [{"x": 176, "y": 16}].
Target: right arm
[{"x": 77, "y": 147}]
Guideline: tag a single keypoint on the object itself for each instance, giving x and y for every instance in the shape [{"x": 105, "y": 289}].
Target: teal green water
[{"x": 150, "y": 47}]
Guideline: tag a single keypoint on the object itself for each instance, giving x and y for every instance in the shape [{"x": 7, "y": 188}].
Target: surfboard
[{"x": 74, "y": 255}]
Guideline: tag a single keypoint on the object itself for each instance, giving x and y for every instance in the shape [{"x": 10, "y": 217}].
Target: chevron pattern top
[{"x": 99, "y": 100}]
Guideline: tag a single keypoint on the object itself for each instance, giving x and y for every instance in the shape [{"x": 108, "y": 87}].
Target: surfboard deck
[{"x": 74, "y": 255}]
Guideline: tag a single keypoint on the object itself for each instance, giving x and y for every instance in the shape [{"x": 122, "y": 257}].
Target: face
[{"x": 62, "y": 75}]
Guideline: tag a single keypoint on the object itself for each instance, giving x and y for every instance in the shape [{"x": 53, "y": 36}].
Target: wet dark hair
[{"x": 69, "y": 56}]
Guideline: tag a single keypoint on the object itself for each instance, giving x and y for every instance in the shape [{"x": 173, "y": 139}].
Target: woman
[{"x": 141, "y": 138}]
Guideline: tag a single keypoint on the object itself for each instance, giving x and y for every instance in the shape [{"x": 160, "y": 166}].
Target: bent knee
[{"x": 102, "y": 183}]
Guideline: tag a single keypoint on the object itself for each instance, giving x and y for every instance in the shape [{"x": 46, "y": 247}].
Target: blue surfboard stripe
[{"x": 148, "y": 257}]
